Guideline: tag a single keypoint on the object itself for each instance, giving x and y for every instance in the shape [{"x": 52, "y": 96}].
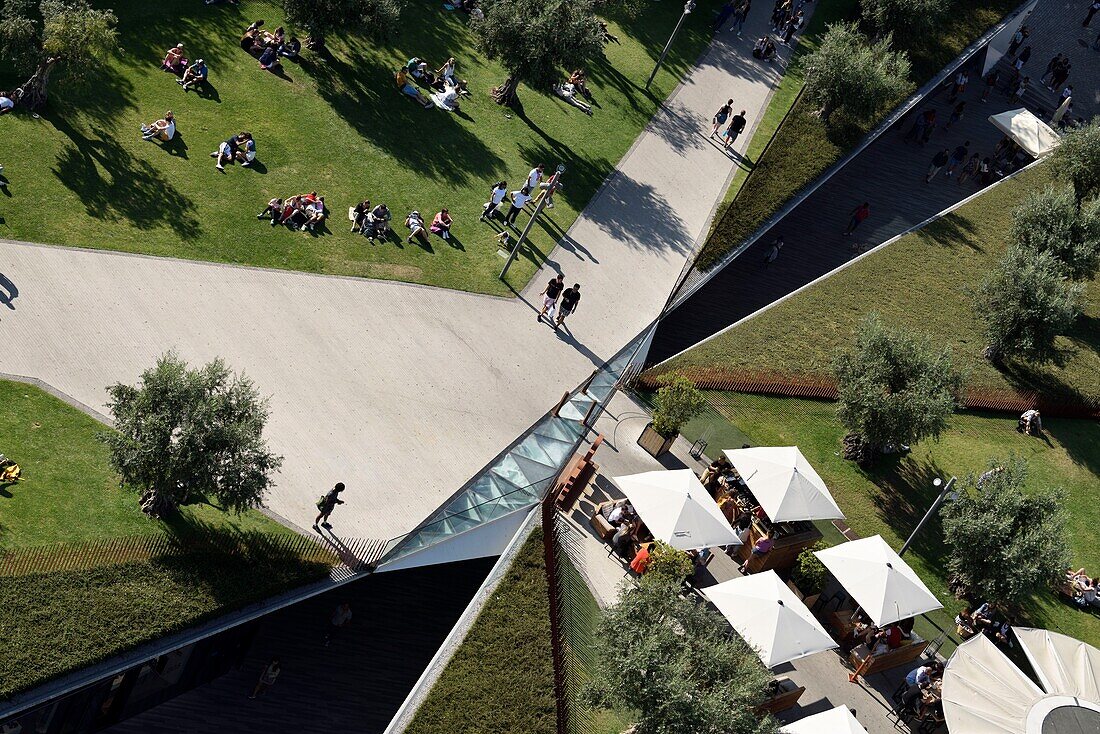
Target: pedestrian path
[{"x": 400, "y": 391}]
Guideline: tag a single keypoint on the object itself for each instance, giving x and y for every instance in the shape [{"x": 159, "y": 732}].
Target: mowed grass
[
  {"x": 891, "y": 498},
  {"x": 804, "y": 146},
  {"x": 81, "y": 175},
  {"x": 68, "y": 492},
  {"x": 922, "y": 283}
]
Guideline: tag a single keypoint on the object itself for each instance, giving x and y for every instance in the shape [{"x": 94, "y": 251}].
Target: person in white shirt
[
  {"x": 519, "y": 200},
  {"x": 500, "y": 190},
  {"x": 7, "y": 104},
  {"x": 533, "y": 178},
  {"x": 163, "y": 129}
]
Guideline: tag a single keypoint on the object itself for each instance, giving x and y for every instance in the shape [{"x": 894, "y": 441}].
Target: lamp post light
[
  {"x": 688, "y": 7},
  {"x": 551, "y": 187},
  {"x": 945, "y": 493}
]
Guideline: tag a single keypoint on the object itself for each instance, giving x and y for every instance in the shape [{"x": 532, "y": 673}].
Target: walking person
[
  {"x": 737, "y": 126},
  {"x": 728, "y": 8},
  {"x": 341, "y": 618},
  {"x": 773, "y": 251},
  {"x": 1092, "y": 11},
  {"x": 1051, "y": 66},
  {"x": 519, "y": 200},
  {"x": 267, "y": 678},
  {"x": 957, "y": 158},
  {"x": 857, "y": 216},
  {"x": 570, "y": 299},
  {"x": 991, "y": 80},
  {"x": 550, "y": 295},
  {"x": 496, "y": 196},
  {"x": 739, "y": 17},
  {"x": 938, "y": 161},
  {"x": 326, "y": 504},
  {"x": 1061, "y": 74},
  {"x": 956, "y": 115},
  {"x": 970, "y": 170},
  {"x": 534, "y": 177},
  {"x": 721, "y": 116},
  {"x": 961, "y": 80}
]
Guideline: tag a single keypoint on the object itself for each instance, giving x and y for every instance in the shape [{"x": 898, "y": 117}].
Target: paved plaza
[{"x": 403, "y": 392}]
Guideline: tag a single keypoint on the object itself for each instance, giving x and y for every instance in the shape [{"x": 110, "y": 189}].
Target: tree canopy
[
  {"x": 903, "y": 18},
  {"x": 535, "y": 40},
  {"x": 1077, "y": 159},
  {"x": 674, "y": 662},
  {"x": 848, "y": 71},
  {"x": 187, "y": 434},
  {"x": 319, "y": 18},
  {"x": 675, "y": 404},
  {"x": 1026, "y": 302},
  {"x": 67, "y": 34},
  {"x": 894, "y": 388},
  {"x": 1050, "y": 221},
  {"x": 1005, "y": 542}
]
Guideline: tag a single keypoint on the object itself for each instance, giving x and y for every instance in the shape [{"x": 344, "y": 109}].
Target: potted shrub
[
  {"x": 809, "y": 575},
  {"x": 666, "y": 562},
  {"x": 676, "y": 403}
]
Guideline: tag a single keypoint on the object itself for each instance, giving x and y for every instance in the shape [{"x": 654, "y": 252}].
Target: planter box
[
  {"x": 809, "y": 601},
  {"x": 653, "y": 442}
]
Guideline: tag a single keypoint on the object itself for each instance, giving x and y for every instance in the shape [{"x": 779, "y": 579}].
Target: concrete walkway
[{"x": 402, "y": 392}]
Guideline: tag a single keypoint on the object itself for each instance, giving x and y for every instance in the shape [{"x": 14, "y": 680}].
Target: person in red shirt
[{"x": 860, "y": 213}]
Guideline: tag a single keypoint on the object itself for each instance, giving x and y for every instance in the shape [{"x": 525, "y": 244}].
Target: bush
[
  {"x": 1077, "y": 160},
  {"x": 675, "y": 404},
  {"x": 1005, "y": 544},
  {"x": 849, "y": 72},
  {"x": 903, "y": 18},
  {"x": 1026, "y": 302},
  {"x": 1051, "y": 221},
  {"x": 809, "y": 574},
  {"x": 667, "y": 564},
  {"x": 893, "y": 388}
]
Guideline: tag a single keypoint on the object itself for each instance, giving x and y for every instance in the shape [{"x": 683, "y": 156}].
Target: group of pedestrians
[
  {"x": 735, "y": 126},
  {"x": 570, "y": 298},
  {"x": 536, "y": 187}
]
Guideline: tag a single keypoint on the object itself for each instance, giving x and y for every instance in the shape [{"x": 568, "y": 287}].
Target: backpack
[{"x": 321, "y": 502}]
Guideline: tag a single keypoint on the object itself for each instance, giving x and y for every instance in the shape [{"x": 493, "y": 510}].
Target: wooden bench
[
  {"x": 577, "y": 474},
  {"x": 787, "y": 696},
  {"x": 890, "y": 659}
]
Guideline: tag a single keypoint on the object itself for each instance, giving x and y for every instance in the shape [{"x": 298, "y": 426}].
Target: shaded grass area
[
  {"x": 501, "y": 679},
  {"x": 890, "y": 498},
  {"x": 804, "y": 146},
  {"x": 922, "y": 283},
  {"x": 68, "y": 492},
  {"x": 60, "y": 622},
  {"x": 80, "y": 175}
]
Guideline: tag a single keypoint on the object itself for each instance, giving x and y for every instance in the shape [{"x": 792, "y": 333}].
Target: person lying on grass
[
  {"x": 269, "y": 60},
  {"x": 415, "y": 223},
  {"x": 568, "y": 92},
  {"x": 407, "y": 88},
  {"x": 447, "y": 99},
  {"x": 304, "y": 211},
  {"x": 174, "y": 60},
  {"x": 163, "y": 129},
  {"x": 195, "y": 74}
]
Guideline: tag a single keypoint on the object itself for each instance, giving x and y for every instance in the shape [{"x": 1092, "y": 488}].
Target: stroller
[{"x": 9, "y": 471}]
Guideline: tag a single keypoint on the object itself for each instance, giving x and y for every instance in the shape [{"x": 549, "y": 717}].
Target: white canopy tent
[
  {"x": 883, "y": 585},
  {"x": 985, "y": 693},
  {"x": 678, "y": 509},
  {"x": 767, "y": 614},
  {"x": 1030, "y": 133},
  {"x": 837, "y": 720},
  {"x": 784, "y": 483}
]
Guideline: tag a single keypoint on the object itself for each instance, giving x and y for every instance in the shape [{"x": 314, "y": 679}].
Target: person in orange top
[{"x": 641, "y": 561}]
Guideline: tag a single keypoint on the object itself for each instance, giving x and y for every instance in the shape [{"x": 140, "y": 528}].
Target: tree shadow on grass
[
  {"x": 953, "y": 230},
  {"x": 905, "y": 493},
  {"x": 114, "y": 185},
  {"x": 1080, "y": 438}
]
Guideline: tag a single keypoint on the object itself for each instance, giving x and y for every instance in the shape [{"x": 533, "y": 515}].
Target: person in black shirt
[
  {"x": 569, "y": 300},
  {"x": 737, "y": 126},
  {"x": 551, "y": 292}
]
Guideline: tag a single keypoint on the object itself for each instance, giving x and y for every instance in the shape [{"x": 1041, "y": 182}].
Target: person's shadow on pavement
[{"x": 8, "y": 291}]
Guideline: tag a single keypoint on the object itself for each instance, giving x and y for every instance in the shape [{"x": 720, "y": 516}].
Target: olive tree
[
  {"x": 54, "y": 38},
  {"x": 677, "y": 402},
  {"x": 904, "y": 18},
  {"x": 1051, "y": 221},
  {"x": 893, "y": 389},
  {"x": 848, "y": 71},
  {"x": 319, "y": 18},
  {"x": 674, "y": 662},
  {"x": 1077, "y": 160},
  {"x": 536, "y": 39},
  {"x": 186, "y": 434},
  {"x": 1026, "y": 302},
  {"x": 1005, "y": 542}
]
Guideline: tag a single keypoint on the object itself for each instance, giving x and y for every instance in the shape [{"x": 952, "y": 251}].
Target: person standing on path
[
  {"x": 550, "y": 295},
  {"x": 1051, "y": 66},
  {"x": 519, "y": 200},
  {"x": 327, "y": 504},
  {"x": 489, "y": 209},
  {"x": 991, "y": 80},
  {"x": 267, "y": 678},
  {"x": 938, "y": 161},
  {"x": 773, "y": 251},
  {"x": 1092, "y": 11},
  {"x": 727, "y": 9},
  {"x": 341, "y": 618},
  {"x": 1018, "y": 38},
  {"x": 721, "y": 116},
  {"x": 961, "y": 80},
  {"x": 737, "y": 126},
  {"x": 957, "y": 158},
  {"x": 1021, "y": 89},
  {"x": 740, "y": 15},
  {"x": 570, "y": 299},
  {"x": 860, "y": 213}
]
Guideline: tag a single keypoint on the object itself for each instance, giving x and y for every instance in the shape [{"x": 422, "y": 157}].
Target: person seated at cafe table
[
  {"x": 989, "y": 622},
  {"x": 760, "y": 549},
  {"x": 623, "y": 539},
  {"x": 710, "y": 475},
  {"x": 920, "y": 680},
  {"x": 641, "y": 561},
  {"x": 965, "y": 624}
]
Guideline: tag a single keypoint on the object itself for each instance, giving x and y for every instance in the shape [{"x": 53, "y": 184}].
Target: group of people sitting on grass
[
  {"x": 269, "y": 47},
  {"x": 305, "y": 212},
  {"x": 163, "y": 129},
  {"x": 468, "y": 6},
  {"x": 576, "y": 84},
  {"x": 986, "y": 620},
  {"x": 190, "y": 75},
  {"x": 1082, "y": 588},
  {"x": 445, "y": 85},
  {"x": 373, "y": 222},
  {"x": 239, "y": 148}
]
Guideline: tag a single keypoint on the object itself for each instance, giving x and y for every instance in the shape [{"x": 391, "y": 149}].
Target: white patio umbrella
[
  {"x": 837, "y": 720},
  {"x": 678, "y": 509},
  {"x": 784, "y": 483},
  {"x": 878, "y": 579},
  {"x": 767, "y": 614}
]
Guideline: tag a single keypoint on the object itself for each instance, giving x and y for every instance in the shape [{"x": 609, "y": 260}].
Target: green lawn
[
  {"x": 891, "y": 498},
  {"x": 804, "y": 147},
  {"x": 81, "y": 175},
  {"x": 922, "y": 283},
  {"x": 69, "y": 492}
]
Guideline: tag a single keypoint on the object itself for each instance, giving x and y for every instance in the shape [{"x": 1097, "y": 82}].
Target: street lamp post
[
  {"x": 552, "y": 186},
  {"x": 944, "y": 493},
  {"x": 688, "y": 7}
]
